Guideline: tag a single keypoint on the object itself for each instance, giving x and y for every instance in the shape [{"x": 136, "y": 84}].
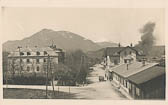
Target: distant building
[
  {"x": 140, "y": 80},
  {"x": 120, "y": 55},
  {"x": 33, "y": 59}
]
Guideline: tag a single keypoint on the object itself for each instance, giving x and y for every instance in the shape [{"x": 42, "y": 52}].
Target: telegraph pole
[
  {"x": 20, "y": 59},
  {"x": 47, "y": 78},
  {"x": 52, "y": 78}
]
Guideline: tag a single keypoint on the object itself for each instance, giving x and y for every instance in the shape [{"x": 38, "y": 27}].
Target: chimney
[
  {"x": 119, "y": 45},
  {"x": 127, "y": 66},
  {"x": 131, "y": 45},
  {"x": 143, "y": 62}
]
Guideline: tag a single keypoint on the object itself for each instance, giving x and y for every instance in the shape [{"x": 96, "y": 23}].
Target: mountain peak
[
  {"x": 46, "y": 29},
  {"x": 62, "y": 39}
]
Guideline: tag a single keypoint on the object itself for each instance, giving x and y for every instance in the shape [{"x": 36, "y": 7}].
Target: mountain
[
  {"x": 62, "y": 39},
  {"x": 107, "y": 44}
]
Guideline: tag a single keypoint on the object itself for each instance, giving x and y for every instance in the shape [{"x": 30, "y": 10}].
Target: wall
[
  {"x": 32, "y": 65},
  {"x": 127, "y": 52}
]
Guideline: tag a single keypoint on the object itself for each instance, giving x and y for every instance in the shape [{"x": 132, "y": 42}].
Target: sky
[{"x": 119, "y": 25}]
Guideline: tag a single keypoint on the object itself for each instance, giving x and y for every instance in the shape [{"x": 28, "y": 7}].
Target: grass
[{"x": 15, "y": 93}]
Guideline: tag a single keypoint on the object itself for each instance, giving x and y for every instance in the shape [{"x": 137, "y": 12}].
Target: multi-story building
[
  {"x": 32, "y": 59},
  {"x": 120, "y": 55}
]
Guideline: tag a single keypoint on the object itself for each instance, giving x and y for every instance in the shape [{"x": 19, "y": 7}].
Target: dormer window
[
  {"x": 45, "y": 52},
  {"x": 37, "y": 53},
  {"x": 21, "y": 53},
  {"x": 28, "y": 53}
]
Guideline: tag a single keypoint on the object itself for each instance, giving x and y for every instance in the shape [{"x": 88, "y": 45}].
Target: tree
[
  {"x": 62, "y": 73},
  {"x": 75, "y": 68}
]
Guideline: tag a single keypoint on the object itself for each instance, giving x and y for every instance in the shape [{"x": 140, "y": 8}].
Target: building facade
[
  {"x": 140, "y": 81},
  {"x": 32, "y": 60},
  {"x": 120, "y": 55}
]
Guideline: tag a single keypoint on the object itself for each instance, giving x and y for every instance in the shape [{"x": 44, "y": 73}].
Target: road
[
  {"x": 94, "y": 90},
  {"x": 99, "y": 90}
]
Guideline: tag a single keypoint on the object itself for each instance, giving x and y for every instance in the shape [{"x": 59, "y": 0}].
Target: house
[
  {"x": 140, "y": 80},
  {"x": 32, "y": 59},
  {"x": 120, "y": 55}
]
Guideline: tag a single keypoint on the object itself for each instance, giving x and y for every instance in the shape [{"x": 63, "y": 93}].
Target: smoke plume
[{"x": 147, "y": 38}]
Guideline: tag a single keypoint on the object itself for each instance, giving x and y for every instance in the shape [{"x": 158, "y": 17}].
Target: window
[
  {"x": 28, "y": 68},
  {"x": 21, "y": 53},
  {"x": 38, "y": 68},
  {"x": 37, "y": 53},
  {"x": 129, "y": 85},
  {"x": 28, "y": 60},
  {"x": 126, "y": 83},
  {"x": 125, "y": 60},
  {"x": 130, "y": 52},
  {"x": 115, "y": 62},
  {"x": 21, "y": 60},
  {"x": 44, "y": 60},
  {"x": 137, "y": 91},
  {"x": 28, "y": 53},
  {"x": 45, "y": 52},
  {"x": 125, "y": 53},
  {"x": 37, "y": 60}
]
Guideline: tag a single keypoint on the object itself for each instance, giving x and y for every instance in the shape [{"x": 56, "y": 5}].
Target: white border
[{"x": 84, "y": 4}]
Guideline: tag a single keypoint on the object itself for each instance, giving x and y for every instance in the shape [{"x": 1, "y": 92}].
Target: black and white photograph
[{"x": 83, "y": 53}]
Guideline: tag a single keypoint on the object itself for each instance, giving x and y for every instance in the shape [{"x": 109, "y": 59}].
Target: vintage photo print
[{"x": 83, "y": 53}]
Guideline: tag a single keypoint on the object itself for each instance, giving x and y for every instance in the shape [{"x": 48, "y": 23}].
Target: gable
[{"x": 128, "y": 51}]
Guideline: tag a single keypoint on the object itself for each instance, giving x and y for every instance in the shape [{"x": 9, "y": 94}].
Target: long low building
[{"x": 140, "y": 80}]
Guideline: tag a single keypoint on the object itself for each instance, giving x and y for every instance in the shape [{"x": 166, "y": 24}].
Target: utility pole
[
  {"x": 20, "y": 59},
  {"x": 69, "y": 87},
  {"x": 47, "y": 77},
  {"x": 52, "y": 78},
  {"x": 7, "y": 76}
]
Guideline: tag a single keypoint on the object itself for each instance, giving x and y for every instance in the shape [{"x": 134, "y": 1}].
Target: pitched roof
[
  {"x": 147, "y": 74},
  {"x": 133, "y": 68},
  {"x": 49, "y": 51},
  {"x": 114, "y": 51},
  {"x": 34, "y": 49}
]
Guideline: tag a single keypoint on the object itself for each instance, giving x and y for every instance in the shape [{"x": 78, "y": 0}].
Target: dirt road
[
  {"x": 94, "y": 90},
  {"x": 98, "y": 90}
]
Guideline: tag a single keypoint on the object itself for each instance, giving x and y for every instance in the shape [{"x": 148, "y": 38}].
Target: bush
[{"x": 31, "y": 80}]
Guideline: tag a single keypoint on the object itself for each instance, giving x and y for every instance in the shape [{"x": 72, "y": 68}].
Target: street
[
  {"x": 98, "y": 90},
  {"x": 94, "y": 90}
]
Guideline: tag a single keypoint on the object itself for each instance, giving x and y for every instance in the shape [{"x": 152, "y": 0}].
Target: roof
[
  {"x": 49, "y": 51},
  {"x": 34, "y": 49},
  {"x": 147, "y": 74},
  {"x": 133, "y": 68},
  {"x": 114, "y": 51}
]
